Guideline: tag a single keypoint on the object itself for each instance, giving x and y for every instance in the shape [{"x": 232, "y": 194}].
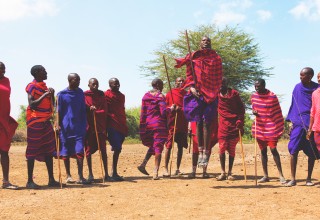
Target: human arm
[{"x": 33, "y": 103}]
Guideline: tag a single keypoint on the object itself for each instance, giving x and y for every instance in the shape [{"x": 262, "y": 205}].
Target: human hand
[
  {"x": 194, "y": 92},
  {"x": 92, "y": 108}
]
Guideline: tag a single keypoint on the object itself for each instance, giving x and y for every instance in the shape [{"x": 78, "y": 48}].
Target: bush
[{"x": 20, "y": 135}]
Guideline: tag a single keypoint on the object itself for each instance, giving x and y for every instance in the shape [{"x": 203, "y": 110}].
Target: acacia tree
[{"x": 241, "y": 59}]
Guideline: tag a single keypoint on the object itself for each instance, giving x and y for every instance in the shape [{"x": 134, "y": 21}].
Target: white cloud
[
  {"x": 17, "y": 9},
  {"x": 309, "y": 9},
  {"x": 231, "y": 12},
  {"x": 264, "y": 15}
]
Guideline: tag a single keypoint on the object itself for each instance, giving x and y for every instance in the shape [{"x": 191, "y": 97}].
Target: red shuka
[
  {"x": 207, "y": 66},
  {"x": 231, "y": 110},
  {"x": 182, "y": 123},
  {"x": 116, "y": 111}
]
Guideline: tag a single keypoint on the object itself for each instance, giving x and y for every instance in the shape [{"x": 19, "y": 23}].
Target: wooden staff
[
  {"x": 255, "y": 150},
  {"x": 98, "y": 142},
  {"x": 56, "y": 135},
  {"x": 175, "y": 117},
  {"x": 242, "y": 154},
  {"x": 192, "y": 69}
]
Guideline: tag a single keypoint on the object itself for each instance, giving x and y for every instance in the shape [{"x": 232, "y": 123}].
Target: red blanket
[
  {"x": 207, "y": 66},
  {"x": 182, "y": 123},
  {"x": 231, "y": 111},
  {"x": 7, "y": 124},
  {"x": 98, "y": 100},
  {"x": 116, "y": 111}
]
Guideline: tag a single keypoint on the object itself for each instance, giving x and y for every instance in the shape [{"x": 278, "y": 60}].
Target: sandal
[
  {"x": 178, "y": 173},
  {"x": 283, "y": 180},
  {"x": 32, "y": 185},
  {"x": 90, "y": 179},
  {"x": 192, "y": 175},
  {"x": 70, "y": 180},
  {"x": 53, "y": 184},
  {"x": 8, "y": 185},
  {"x": 291, "y": 183},
  {"x": 155, "y": 177},
  {"x": 205, "y": 175},
  {"x": 83, "y": 181},
  {"x": 263, "y": 180},
  {"x": 231, "y": 178},
  {"x": 221, "y": 177},
  {"x": 117, "y": 178},
  {"x": 309, "y": 183}
]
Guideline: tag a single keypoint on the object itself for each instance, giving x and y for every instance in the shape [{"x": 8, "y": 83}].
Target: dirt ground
[{"x": 140, "y": 197}]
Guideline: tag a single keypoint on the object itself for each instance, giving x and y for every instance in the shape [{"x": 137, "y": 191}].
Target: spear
[{"x": 56, "y": 135}]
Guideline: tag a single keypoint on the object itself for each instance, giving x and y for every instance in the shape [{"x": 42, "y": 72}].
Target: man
[
  {"x": 8, "y": 127},
  {"x": 204, "y": 85},
  {"x": 72, "y": 125},
  {"x": 41, "y": 143},
  {"x": 299, "y": 116},
  {"x": 153, "y": 125},
  {"x": 116, "y": 123},
  {"x": 270, "y": 125},
  {"x": 97, "y": 107},
  {"x": 175, "y": 96},
  {"x": 231, "y": 120}
]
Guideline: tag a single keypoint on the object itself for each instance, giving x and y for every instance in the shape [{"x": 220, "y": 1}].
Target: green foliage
[
  {"x": 133, "y": 121},
  {"x": 247, "y": 127},
  {"x": 22, "y": 118},
  {"x": 242, "y": 62}
]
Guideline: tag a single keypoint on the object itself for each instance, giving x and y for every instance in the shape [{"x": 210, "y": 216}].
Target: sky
[{"x": 104, "y": 39}]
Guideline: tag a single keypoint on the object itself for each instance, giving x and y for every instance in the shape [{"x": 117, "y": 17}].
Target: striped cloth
[
  {"x": 270, "y": 122},
  {"x": 41, "y": 141},
  {"x": 207, "y": 66},
  {"x": 43, "y": 111},
  {"x": 153, "y": 121}
]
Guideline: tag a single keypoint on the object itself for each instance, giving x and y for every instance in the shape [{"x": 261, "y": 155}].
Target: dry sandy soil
[{"x": 140, "y": 197}]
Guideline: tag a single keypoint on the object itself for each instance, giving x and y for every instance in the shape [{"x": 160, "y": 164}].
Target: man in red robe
[
  {"x": 97, "y": 108},
  {"x": 204, "y": 85},
  {"x": 231, "y": 120},
  {"x": 7, "y": 127},
  {"x": 116, "y": 123},
  {"x": 175, "y": 96}
]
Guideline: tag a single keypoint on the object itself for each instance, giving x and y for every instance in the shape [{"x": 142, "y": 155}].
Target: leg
[
  {"x": 231, "y": 160},
  {"x": 222, "y": 176},
  {"x": 204, "y": 168},
  {"x": 49, "y": 164},
  {"x": 200, "y": 136},
  {"x": 157, "y": 165},
  {"x": 195, "y": 157},
  {"x": 30, "y": 183},
  {"x": 105, "y": 166},
  {"x": 115, "y": 175},
  {"x": 293, "y": 164},
  {"x": 80, "y": 168},
  {"x": 89, "y": 162},
  {"x": 264, "y": 161},
  {"x": 66, "y": 162},
  {"x": 277, "y": 160},
  {"x": 5, "y": 165},
  {"x": 142, "y": 166},
  {"x": 311, "y": 161},
  {"x": 166, "y": 162},
  {"x": 179, "y": 158},
  {"x": 206, "y": 143}
]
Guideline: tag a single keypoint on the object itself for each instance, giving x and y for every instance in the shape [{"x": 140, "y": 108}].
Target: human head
[
  {"x": 205, "y": 43},
  {"x": 157, "y": 84},
  {"x": 2, "y": 69},
  {"x": 260, "y": 85},
  {"x": 93, "y": 84},
  {"x": 179, "y": 82},
  {"x": 39, "y": 73},
  {"x": 318, "y": 77},
  {"x": 114, "y": 84},
  {"x": 224, "y": 84},
  {"x": 74, "y": 81},
  {"x": 306, "y": 75}
]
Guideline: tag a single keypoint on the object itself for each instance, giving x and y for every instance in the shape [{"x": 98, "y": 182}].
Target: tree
[
  {"x": 22, "y": 118},
  {"x": 133, "y": 121},
  {"x": 242, "y": 62}
]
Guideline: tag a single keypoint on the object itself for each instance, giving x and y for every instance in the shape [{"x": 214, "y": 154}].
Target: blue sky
[{"x": 104, "y": 39}]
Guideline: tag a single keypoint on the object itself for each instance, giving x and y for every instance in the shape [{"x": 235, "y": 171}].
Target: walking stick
[
  {"x": 175, "y": 117},
  {"x": 98, "y": 142},
  {"x": 255, "y": 150},
  {"x": 242, "y": 154},
  {"x": 192, "y": 69},
  {"x": 56, "y": 135}
]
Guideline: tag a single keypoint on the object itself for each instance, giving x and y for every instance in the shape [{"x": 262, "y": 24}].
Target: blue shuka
[{"x": 72, "y": 121}]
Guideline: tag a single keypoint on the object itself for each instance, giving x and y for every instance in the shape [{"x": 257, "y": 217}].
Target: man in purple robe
[{"x": 299, "y": 116}]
